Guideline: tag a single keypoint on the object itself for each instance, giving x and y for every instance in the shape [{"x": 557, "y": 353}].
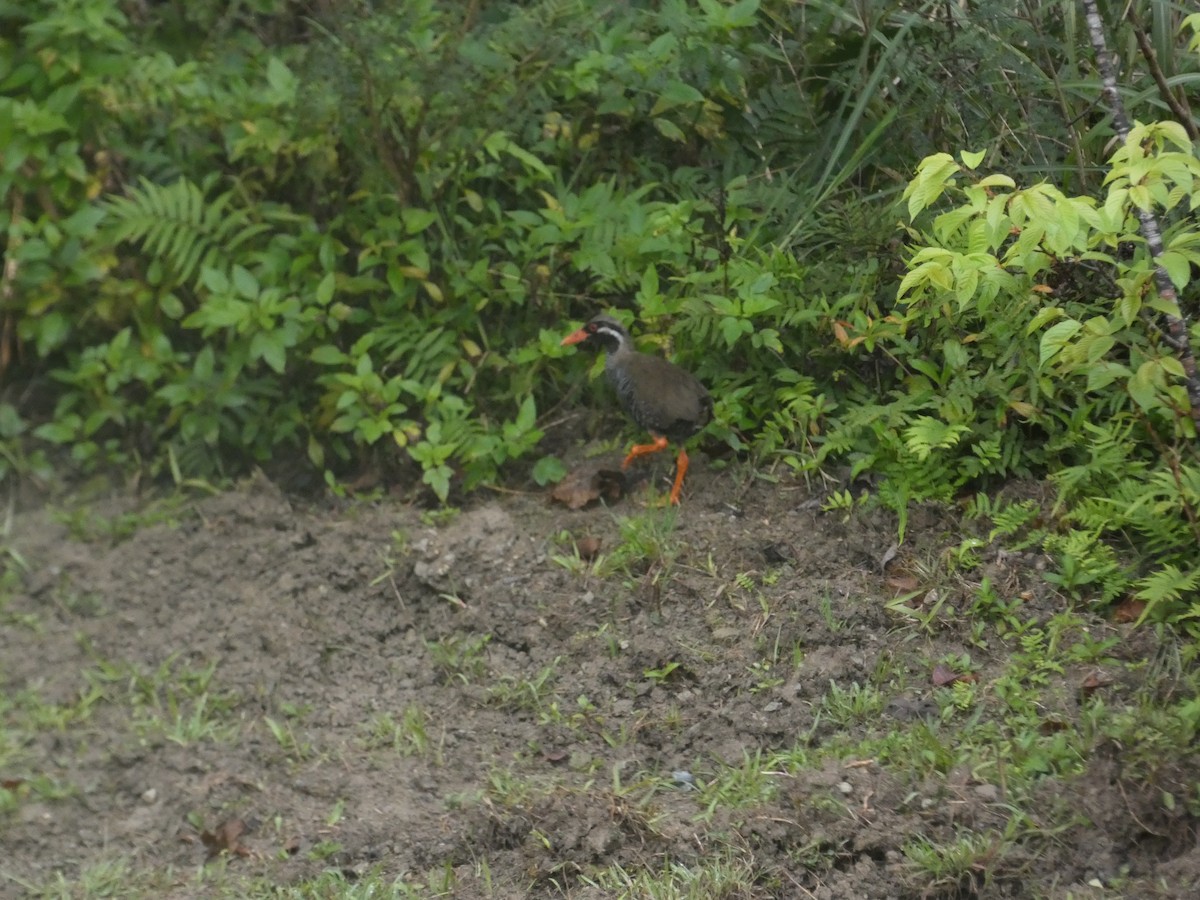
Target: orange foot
[
  {"x": 660, "y": 443},
  {"x": 681, "y": 467}
]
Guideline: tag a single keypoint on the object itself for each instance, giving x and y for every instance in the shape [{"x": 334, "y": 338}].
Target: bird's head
[{"x": 601, "y": 332}]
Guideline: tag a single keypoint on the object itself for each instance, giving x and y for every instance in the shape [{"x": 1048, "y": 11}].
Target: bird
[{"x": 664, "y": 399}]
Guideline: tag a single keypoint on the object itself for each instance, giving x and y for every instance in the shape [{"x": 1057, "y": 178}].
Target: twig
[
  {"x": 1176, "y": 334},
  {"x": 1178, "y": 107}
]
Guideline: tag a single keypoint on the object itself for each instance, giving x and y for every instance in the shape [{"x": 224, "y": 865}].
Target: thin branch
[
  {"x": 1178, "y": 107},
  {"x": 1176, "y": 334}
]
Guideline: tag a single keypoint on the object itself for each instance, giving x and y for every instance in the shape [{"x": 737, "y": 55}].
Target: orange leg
[
  {"x": 660, "y": 443},
  {"x": 681, "y": 467}
]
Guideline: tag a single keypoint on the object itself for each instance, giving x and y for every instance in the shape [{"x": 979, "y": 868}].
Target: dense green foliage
[{"x": 251, "y": 233}]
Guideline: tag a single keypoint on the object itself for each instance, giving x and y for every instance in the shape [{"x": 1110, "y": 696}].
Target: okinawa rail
[{"x": 665, "y": 400}]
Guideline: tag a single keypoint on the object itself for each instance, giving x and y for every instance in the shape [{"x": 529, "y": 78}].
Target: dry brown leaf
[
  {"x": 225, "y": 838},
  {"x": 588, "y": 547},
  {"x": 588, "y": 483},
  {"x": 888, "y": 555},
  {"x": 903, "y": 584},
  {"x": 1128, "y": 611},
  {"x": 1094, "y": 682}
]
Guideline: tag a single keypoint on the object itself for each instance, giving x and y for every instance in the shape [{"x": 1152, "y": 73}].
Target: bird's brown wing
[{"x": 668, "y": 400}]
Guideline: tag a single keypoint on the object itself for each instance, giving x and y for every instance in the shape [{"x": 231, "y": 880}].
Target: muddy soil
[{"x": 285, "y": 686}]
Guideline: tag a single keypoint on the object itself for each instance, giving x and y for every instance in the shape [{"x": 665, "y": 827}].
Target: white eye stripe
[{"x": 610, "y": 331}]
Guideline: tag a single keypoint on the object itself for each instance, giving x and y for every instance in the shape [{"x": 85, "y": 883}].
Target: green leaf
[
  {"x": 372, "y": 430},
  {"x": 1177, "y": 266},
  {"x": 1057, "y": 337},
  {"x": 548, "y": 470},
  {"x": 997, "y": 180},
  {"x": 1142, "y": 386},
  {"x": 283, "y": 83},
  {"x": 417, "y": 220},
  {"x": 1044, "y": 315},
  {"x": 732, "y": 329},
  {"x": 438, "y": 478},
  {"x": 316, "y": 452},
  {"x": 52, "y": 331},
  {"x": 972, "y": 158},
  {"x": 933, "y": 174},
  {"x": 676, "y": 93},
  {"x": 325, "y": 289},
  {"x": 268, "y": 346},
  {"x": 1171, "y": 366},
  {"x": 328, "y": 355},
  {"x": 669, "y": 130},
  {"x": 214, "y": 280},
  {"x": 244, "y": 282},
  {"x": 62, "y": 431},
  {"x": 649, "y": 286},
  {"x": 202, "y": 368},
  {"x": 527, "y": 417},
  {"x": 171, "y": 306}
]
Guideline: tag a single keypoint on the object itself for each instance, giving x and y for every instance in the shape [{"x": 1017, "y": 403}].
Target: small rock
[
  {"x": 603, "y": 840},
  {"x": 149, "y": 795},
  {"x": 845, "y": 787},
  {"x": 989, "y": 793},
  {"x": 778, "y": 553},
  {"x": 684, "y": 779},
  {"x": 907, "y": 708},
  {"x": 579, "y": 760}
]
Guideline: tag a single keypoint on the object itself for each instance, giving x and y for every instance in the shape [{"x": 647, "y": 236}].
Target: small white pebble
[{"x": 685, "y": 780}]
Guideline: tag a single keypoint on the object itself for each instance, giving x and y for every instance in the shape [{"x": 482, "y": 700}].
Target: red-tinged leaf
[
  {"x": 1050, "y": 726},
  {"x": 1094, "y": 682},
  {"x": 944, "y": 675},
  {"x": 11, "y": 784},
  {"x": 588, "y": 548}
]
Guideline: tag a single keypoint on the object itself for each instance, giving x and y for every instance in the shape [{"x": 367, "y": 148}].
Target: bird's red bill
[{"x": 574, "y": 337}]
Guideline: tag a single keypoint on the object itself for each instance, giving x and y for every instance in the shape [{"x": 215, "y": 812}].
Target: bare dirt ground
[{"x": 290, "y": 686}]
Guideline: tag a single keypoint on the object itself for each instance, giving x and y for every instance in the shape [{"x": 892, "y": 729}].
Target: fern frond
[
  {"x": 1168, "y": 584},
  {"x": 927, "y": 434},
  {"x": 177, "y": 226}
]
